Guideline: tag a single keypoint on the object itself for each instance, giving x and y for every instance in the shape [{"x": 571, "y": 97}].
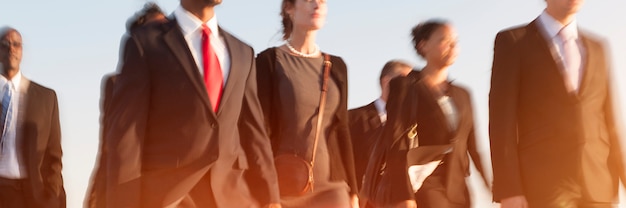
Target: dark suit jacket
[
  {"x": 365, "y": 129},
  {"x": 432, "y": 129},
  {"x": 338, "y": 141},
  {"x": 546, "y": 141},
  {"x": 40, "y": 137},
  {"x": 98, "y": 178},
  {"x": 163, "y": 137}
]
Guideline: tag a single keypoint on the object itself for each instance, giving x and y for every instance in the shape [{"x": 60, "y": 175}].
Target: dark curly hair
[
  {"x": 424, "y": 30},
  {"x": 140, "y": 18}
]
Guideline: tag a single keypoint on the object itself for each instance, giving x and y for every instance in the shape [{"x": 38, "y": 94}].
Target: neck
[
  {"x": 202, "y": 12},
  {"x": 9, "y": 73},
  {"x": 435, "y": 75},
  {"x": 561, "y": 17},
  {"x": 303, "y": 41}
]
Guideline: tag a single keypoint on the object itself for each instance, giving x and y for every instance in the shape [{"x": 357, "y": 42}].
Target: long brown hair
[{"x": 287, "y": 23}]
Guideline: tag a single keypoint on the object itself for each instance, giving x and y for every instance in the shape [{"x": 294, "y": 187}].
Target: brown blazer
[
  {"x": 40, "y": 137},
  {"x": 432, "y": 129},
  {"x": 365, "y": 129},
  {"x": 163, "y": 139},
  {"x": 546, "y": 142}
]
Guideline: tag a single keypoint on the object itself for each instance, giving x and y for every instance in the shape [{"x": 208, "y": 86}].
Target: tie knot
[
  {"x": 566, "y": 34},
  {"x": 206, "y": 30}
]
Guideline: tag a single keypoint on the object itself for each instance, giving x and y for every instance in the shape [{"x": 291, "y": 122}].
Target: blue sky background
[{"x": 70, "y": 44}]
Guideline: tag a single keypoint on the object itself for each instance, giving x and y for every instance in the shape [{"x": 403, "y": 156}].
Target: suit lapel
[
  {"x": 237, "y": 63},
  {"x": 588, "y": 60},
  {"x": 373, "y": 118},
  {"x": 546, "y": 48},
  {"x": 174, "y": 39}
]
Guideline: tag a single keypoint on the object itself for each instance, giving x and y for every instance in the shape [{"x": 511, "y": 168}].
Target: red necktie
[{"x": 213, "y": 79}]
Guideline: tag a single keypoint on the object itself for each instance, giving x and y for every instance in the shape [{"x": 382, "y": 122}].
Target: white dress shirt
[
  {"x": 192, "y": 31},
  {"x": 10, "y": 157},
  {"x": 381, "y": 108},
  {"x": 551, "y": 28}
]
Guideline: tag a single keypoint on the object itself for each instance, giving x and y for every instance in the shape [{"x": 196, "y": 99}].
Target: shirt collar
[
  {"x": 380, "y": 106},
  {"x": 552, "y": 27},
  {"x": 190, "y": 23},
  {"x": 16, "y": 80}
]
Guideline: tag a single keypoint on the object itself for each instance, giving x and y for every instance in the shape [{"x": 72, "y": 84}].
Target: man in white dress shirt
[
  {"x": 185, "y": 127},
  {"x": 30, "y": 135}
]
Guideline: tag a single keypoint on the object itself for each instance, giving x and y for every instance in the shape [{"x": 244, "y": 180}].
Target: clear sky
[{"x": 70, "y": 44}]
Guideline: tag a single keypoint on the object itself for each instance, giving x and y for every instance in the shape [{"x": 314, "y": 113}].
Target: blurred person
[
  {"x": 366, "y": 122},
  {"x": 30, "y": 134},
  {"x": 303, "y": 104},
  {"x": 150, "y": 13},
  {"x": 437, "y": 117},
  {"x": 554, "y": 141},
  {"x": 185, "y": 126}
]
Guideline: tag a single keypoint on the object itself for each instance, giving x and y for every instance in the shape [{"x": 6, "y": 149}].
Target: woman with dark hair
[
  {"x": 304, "y": 122},
  {"x": 430, "y": 127}
]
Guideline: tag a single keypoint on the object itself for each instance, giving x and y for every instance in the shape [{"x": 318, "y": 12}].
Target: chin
[{"x": 213, "y": 2}]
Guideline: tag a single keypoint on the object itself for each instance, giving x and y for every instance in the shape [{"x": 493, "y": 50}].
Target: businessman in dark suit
[
  {"x": 30, "y": 142},
  {"x": 554, "y": 139},
  {"x": 366, "y": 122},
  {"x": 185, "y": 121}
]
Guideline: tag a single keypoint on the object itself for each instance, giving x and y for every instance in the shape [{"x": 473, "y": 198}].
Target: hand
[
  {"x": 514, "y": 202},
  {"x": 273, "y": 205},
  {"x": 406, "y": 204},
  {"x": 354, "y": 201}
]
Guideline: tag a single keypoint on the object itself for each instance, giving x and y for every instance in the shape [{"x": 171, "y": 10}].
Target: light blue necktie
[{"x": 7, "y": 112}]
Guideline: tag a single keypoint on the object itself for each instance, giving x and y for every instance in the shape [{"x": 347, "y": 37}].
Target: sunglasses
[{"x": 7, "y": 44}]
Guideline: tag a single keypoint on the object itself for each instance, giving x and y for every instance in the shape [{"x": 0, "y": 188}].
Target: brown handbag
[{"x": 295, "y": 174}]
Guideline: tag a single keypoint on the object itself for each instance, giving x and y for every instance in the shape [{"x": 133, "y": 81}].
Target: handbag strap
[{"x": 322, "y": 105}]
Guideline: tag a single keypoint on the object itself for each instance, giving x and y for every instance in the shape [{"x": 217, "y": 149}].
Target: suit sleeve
[
  {"x": 472, "y": 149},
  {"x": 53, "y": 180},
  {"x": 257, "y": 144},
  {"x": 503, "y": 101},
  {"x": 611, "y": 112},
  {"x": 126, "y": 127}
]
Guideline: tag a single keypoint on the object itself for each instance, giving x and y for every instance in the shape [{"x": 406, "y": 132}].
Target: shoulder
[
  {"x": 39, "y": 91},
  {"x": 337, "y": 61},
  {"x": 233, "y": 39},
  {"x": 461, "y": 89},
  {"x": 592, "y": 37},
  {"x": 267, "y": 53},
  {"x": 355, "y": 112},
  {"x": 516, "y": 33}
]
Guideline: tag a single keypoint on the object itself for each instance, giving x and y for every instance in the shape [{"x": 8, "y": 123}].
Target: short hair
[
  {"x": 5, "y": 30},
  {"x": 140, "y": 17},
  {"x": 424, "y": 30},
  {"x": 392, "y": 68}
]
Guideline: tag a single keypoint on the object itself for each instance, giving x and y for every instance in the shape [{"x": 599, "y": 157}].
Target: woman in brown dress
[{"x": 290, "y": 77}]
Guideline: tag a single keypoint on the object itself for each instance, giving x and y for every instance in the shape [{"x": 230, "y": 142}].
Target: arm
[
  {"x": 476, "y": 158},
  {"x": 396, "y": 159},
  {"x": 257, "y": 144},
  {"x": 126, "y": 128},
  {"x": 51, "y": 172},
  {"x": 503, "y": 100},
  {"x": 347, "y": 154},
  {"x": 611, "y": 116},
  {"x": 265, "y": 88}
]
